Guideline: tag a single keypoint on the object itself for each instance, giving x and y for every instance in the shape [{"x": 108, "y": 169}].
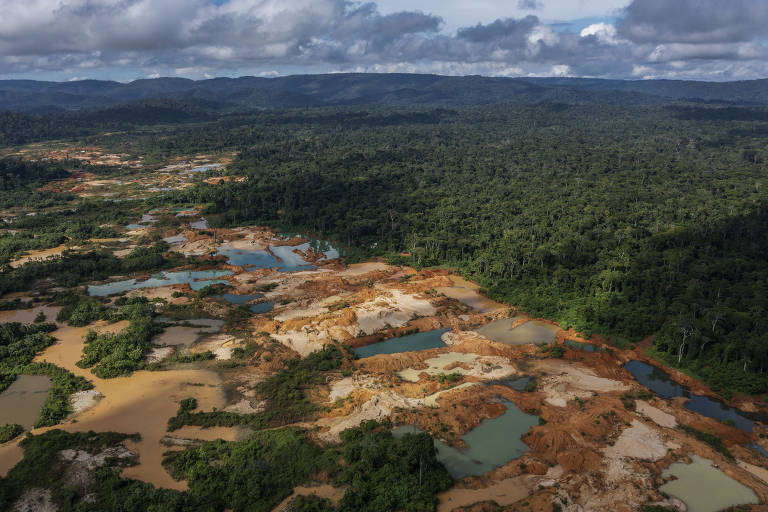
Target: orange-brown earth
[{"x": 597, "y": 447}]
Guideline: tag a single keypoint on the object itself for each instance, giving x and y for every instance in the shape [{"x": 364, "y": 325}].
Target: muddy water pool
[
  {"x": 141, "y": 403},
  {"x": 27, "y": 316},
  {"x": 196, "y": 280},
  {"x": 467, "y": 293},
  {"x": 491, "y": 444},
  {"x": 233, "y": 298},
  {"x": 704, "y": 488},
  {"x": 516, "y": 383},
  {"x": 588, "y": 347},
  {"x": 22, "y": 400},
  {"x": 186, "y": 335},
  {"x": 262, "y": 307},
  {"x": 409, "y": 343},
  {"x": 283, "y": 257},
  {"x": 658, "y": 381},
  {"x": 533, "y": 331}
]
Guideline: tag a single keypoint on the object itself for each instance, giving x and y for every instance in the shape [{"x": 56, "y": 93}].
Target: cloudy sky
[{"x": 129, "y": 39}]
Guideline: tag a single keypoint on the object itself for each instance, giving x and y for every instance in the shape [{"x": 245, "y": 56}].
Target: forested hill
[{"x": 384, "y": 89}]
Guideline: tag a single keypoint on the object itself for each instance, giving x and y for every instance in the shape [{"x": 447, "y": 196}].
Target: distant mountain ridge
[{"x": 396, "y": 89}]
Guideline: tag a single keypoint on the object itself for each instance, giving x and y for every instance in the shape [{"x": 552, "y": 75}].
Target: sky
[{"x": 126, "y": 40}]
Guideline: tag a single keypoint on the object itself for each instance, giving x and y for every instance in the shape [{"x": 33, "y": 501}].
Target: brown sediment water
[
  {"x": 27, "y": 316},
  {"x": 10, "y": 455},
  {"x": 467, "y": 293},
  {"x": 533, "y": 331},
  {"x": 705, "y": 488},
  {"x": 22, "y": 401},
  {"x": 140, "y": 403},
  {"x": 505, "y": 492}
]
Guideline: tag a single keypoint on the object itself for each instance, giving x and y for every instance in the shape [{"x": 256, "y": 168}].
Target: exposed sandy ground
[
  {"x": 759, "y": 472},
  {"x": 159, "y": 354},
  {"x": 659, "y": 417},
  {"x": 220, "y": 344},
  {"x": 568, "y": 381},
  {"x": 342, "y": 388},
  {"x": 83, "y": 400},
  {"x": 42, "y": 254},
  {"x": 601, "y": 463},
  {"x": 639, "y": 442},
  {"x": 379, "y": 407},
  {"x": 467, "y": 293},
  {"x": 35, "y": 500},
  {"x": 390, "y": 309},
  {"x": 10, "y": 455},
  {"x": 359, "y": 269},
  {"x": 486, "y": 367},
  {"x": 503, "y": 493}
]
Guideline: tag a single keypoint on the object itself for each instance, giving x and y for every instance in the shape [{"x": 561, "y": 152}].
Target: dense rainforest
[{"x": 626, "y": 221}]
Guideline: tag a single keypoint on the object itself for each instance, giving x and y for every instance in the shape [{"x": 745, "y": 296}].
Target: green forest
[{"x": 622, "y": 222}]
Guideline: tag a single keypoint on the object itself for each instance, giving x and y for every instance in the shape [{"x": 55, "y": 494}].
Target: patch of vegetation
[
  {"x": 311, "y": 503},
  {"x": 283, "y": 392},
  {"x": 10, "y": 431},
  {"x": 101, "y": 490},
  {"x": 79, "y": 310},
  {"x": 553, "y": 350},
  {"x": 253, "y": 475},
  {"x": 212, "y": 289},
  {"x": 113, "y": 355},
  {"x": 708, "y": 438},
  {"x": 450, "y": 377},
  {"x": 192, "y": 358},
  {"x": 628, "y": 398},
  {"x": 384, "y": 473}
]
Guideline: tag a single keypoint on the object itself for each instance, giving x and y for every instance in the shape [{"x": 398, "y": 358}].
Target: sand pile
[
  {"x": 483, "y": 367},
  {"x": 377, "y": 408},
  {"x": 658, "y": 416},
  {"x": 568, "y": 381}
]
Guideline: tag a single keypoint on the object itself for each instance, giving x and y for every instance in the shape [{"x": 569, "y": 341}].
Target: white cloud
[
  {"x": 196, "y": 37},
  {"x": 604, "y": 32}
]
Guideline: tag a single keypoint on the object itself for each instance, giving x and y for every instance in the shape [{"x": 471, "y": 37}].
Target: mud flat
[
  {"x": 467, "y": 293},
  {"x": 704, "y": 488},
  {"x": 40, "y": 255},
  {"x": 505, "y": 331},
  {"x": 27, "y": 316},
  {"x": 22, "y": 400},
  {"x": 182, "y": 335}
]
